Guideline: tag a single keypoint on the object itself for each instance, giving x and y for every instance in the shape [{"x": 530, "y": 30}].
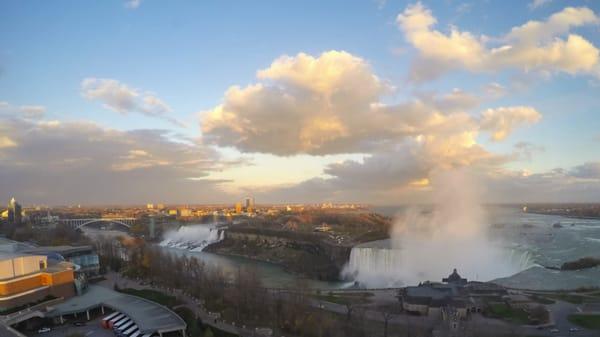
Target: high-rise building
[
  {"x": 238, "y": 207},
  {"x": 14, "y": 212},
  {"x": 152, "y": 227},
  {"x": 249, "y": 204}
]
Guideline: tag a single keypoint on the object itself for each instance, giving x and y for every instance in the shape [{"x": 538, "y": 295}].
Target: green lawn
[
  {"x": 586, "y": 321},
  {"x": 153, "y": 295},
  {"x": 503, "y": 311},
  {"x": 541, "y": 299},
  {"x": 574, "y": 299},
  {"x": 345, "y": 298}
]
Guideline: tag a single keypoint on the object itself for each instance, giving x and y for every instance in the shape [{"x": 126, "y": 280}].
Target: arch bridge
[{"x": 79, "y": 223}]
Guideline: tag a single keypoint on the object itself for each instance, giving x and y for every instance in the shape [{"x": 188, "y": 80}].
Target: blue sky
[{"x": 188, "y": 53}]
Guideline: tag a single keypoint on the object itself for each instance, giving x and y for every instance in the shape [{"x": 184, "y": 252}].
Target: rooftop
[
  {"x": 148, "y": 316},
  {"x": 63, "y": 250}
]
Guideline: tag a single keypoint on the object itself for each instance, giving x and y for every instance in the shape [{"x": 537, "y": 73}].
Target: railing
[{"x": 32, "y": 311}]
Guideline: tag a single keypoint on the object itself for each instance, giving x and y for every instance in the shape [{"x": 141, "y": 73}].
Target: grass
[
  {"x": 154, "y": 296},
  {"x": 188, "y": 316},
  {"x": 586, "y": 321},
  {"x": 345, "y": 298},
  {"x": 503, "y": 311},
  {"x": 574, "y": 299},
  {"x": 541, "y": 299}
]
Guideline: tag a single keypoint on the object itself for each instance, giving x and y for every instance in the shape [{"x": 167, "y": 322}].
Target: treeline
[
  {"x": 239, "y": 296},
  {"x": 53, "y": 236}
]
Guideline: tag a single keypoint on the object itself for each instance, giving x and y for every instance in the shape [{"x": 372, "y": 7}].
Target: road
[{"x": 91, "y": 329}]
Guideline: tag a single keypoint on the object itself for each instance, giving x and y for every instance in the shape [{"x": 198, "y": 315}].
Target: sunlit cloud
[
  {"x": 119, "y": 97},
  {"x": 534, "y": 46}
]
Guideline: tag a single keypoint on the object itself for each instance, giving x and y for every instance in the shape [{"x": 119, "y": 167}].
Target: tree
[
  {"x": 388, "y": 312},
  {"x": 208, "y": 333}
]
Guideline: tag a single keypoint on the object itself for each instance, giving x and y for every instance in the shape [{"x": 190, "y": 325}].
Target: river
[{"x": 529, "y": 241}]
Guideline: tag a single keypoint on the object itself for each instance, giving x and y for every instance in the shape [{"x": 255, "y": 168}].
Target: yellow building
[{"x": 26, "y": 279}]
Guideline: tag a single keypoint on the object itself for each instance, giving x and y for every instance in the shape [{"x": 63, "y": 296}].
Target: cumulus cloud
[
  {"x": 333, "y": 104},
  {"x": 309, "y": 105},
  {"x": 81, "y": 162},
  {"x": 120, "y": 98},
  {"x": 534, "y": 46},
  {"x": 502, "y": 121}
]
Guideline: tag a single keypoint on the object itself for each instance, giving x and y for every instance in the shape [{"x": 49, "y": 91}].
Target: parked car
[{"x": 44, "y": 330}]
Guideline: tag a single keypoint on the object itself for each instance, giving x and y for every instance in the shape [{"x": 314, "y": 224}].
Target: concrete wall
[{"x": 22, "y": 265}]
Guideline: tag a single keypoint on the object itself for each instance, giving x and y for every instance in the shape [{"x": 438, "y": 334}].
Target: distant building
[
  {"x": 15, "y": 212},
  {"x": 455, "y": 279},
  {"x": 150, "y": 206},
  {"x": 152, "y": 228},
  {"x": 185, "y": 212},
  {"x": 238, "y": 208},
  {"x": 453, "y": 299},
  {"x": 249, "y": 204}
]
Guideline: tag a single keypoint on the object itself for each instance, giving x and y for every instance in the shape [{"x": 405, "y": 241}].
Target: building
[
  {"x": 238, "y": 208},
  {"x": 84, "y": 258},
  {"x": 27, "y": 278},
  {"x": 185, "y": 212},
  {"x": 455, "y": 279},
  {"x": 249, "y": 204},
  {"x": 15, "y": 212},
  {"x": 449, "y": 300},
  {"x": 152, "y": 228}
]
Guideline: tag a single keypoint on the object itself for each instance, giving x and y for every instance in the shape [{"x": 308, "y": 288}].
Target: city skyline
[{"x": 371, "y": 102}]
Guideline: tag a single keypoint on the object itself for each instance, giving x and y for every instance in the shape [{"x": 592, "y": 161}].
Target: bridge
[{"x": 79, "y": 223}]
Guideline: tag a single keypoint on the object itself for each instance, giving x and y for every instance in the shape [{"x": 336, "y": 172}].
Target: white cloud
[
  {"x": 120, "y": 98},
  {"x": 495, "y": 90},
  {"x": 308, "y": 105},
  {"x": 503, "y": 120},
  {"x": 534, "y": 46},
  {"x": 26, "y": 111},
  {"x": 333, "y": 104},
  {"x": 535, "y": 4},
  {"x": 33, "y": 111},
  {"x": 133, "y": 4}
]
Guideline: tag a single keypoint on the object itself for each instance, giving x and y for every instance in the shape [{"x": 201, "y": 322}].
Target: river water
[{"x": 529, "y": 241}]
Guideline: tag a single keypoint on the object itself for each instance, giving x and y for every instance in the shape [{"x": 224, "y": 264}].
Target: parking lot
[{"x": 90, "y": 329}]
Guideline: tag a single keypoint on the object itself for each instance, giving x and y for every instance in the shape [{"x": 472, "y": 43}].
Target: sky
[{"x": 139, "y": 101}]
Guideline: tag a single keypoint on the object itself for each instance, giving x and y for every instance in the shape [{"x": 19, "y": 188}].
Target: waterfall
[
  {"x": 194, "y": 238},
  {"x": 378, "y": 265},
  {"x": 375, "y": 265}
]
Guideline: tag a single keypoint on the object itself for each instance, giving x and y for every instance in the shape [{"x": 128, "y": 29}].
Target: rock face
[
  {"x": 583, "y": 263},
  {"x": 304, "y": 253}
]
